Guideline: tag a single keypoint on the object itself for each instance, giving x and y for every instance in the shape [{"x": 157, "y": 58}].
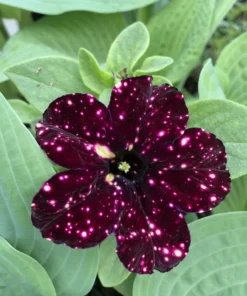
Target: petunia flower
[{"x": 134, "y": 169}]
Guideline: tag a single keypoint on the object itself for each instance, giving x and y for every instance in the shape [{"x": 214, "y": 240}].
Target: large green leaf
[
  {"x": 22, "y": 275},
  {"x": 42, "y": 80},
  {"x": 7, "y": 11},
  {"x": 111, "y": 270},
  {"x": 24, "y": 169},
  {"x": 209, "y": 86},
  {"x": 233, "y": 62},
  {"x": 216, "y": 263},
  {"x": 63, "y": 35},
  {"x": 180, "y": 31},
  {"x": 236, "y": 200},
  {"x": 26, "y": 112},
  {"x": 60, "y": 6},
  {"x": 222, "y": 7},
  {"x": 128, "y": 48},
  {"x": 126, "y": 287},
  {"x": 227, "y": 120}
]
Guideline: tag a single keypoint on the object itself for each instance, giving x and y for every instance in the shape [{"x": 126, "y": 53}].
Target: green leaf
[
  {"x": 111, "y": 270},
  {"x": 105, "y": 96},
  {"x": 7, "y": 11},
  {"x": 56, "y": 7},
  {"x": 216, "y": 263},
  {"x": 9, "y": 90},
  {"x": 220, "y": 11},
  {"x": 153, "y": 64},
  {"x": 21, "y": 274},
  {"x": 128, "y": 48},
  {"x": 126, "y": 287},
  {"x": 26, "y": 168},
  {"x": 233, "y": 62},
  {"x": 191, "y": 217},
  {"x": 180, "y": 31},
  {"x": 236, "y": 200},
  {"x": 42, "y": 80},
  {"x": 63, "y": 35},
  {"x": 209, "y": 86},
  {"x": 26, "y": 112},
  {"x": 92, "y": 75},
  {"x": 159, "y": 80},
  {"x": 227, "y": 120}
]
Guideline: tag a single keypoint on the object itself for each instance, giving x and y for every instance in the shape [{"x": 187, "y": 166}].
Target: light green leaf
[
  {"x": 7, "y": 11},
  {"x": 42, "y": 80},
  {"x": 159, "y": 80},
  {"x": 26, "y": 112},
  {"x": 191, "y": 217},
  {"x": 227, "y": 120},
  {"x": 180, "y": 31},
  {"x": 126, "y": 287},
  {"x": 63, "y": 35},
  {"x": 3, "y": 77},
  {"x": 209, "y": 84},
  {"x": 221, "y": 9},
  {"x": 58, "y": 6},
  {"x": 216, "y": 263},
  {"x": 2, "y": 39},
  {"x": 128, "y": 48},
  {"x": 9, "y": 90},
  {"x": 105, "y": 96},
  {"x": 92, "y": 75},
  {"x": 233, "y": 62},
  {"x": 26, "y": 168},
  {"x": 22, "y": 275},
  {"x": 236, "y": 200},
  {"x": 111, "y": 270},
  {"x": 153, "y": 64},
  {"x": 157, "y": 6}
]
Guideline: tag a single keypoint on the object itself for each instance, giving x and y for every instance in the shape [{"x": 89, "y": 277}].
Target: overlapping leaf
[
  {"x": 60, "y": 6},
  {"x": 215, "y": 265},
  {"x": 227, "y": 120},
  {"x": 22, "y": 275},
  {"x": 233, "y": 62},
  {"x": 42, "y": 80},
  {"x": 63, "y": 35},
  {"x": 180, "y": 31},
  {"x": 209, "y": 86},
  {"x": 25, "y": 169},
  {"x": 111, "y": 270}
]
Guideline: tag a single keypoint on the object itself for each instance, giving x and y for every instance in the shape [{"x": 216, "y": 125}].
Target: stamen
[{"x": 124, "y": 166}]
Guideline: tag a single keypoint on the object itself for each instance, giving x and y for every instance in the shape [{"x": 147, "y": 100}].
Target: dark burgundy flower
[{"x": 133, "y": 170}]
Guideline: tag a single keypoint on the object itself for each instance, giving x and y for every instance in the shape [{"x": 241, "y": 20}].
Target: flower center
[
  {"x": 124, "y": 166},
  {"x": 128, "y": 164}
]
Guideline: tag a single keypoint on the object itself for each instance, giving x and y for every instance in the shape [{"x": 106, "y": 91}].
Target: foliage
[{"x": 87, "y": 47}]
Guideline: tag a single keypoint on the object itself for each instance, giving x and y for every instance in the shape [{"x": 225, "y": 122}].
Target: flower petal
[
  {"x": 81, "y": 115},
  {"x": 77, "y": 208},
  {"x": 191, "y": 173},
  {"x": 170, "y": 236},
  {"x": 151, "y": 238},
  {"x": 134, "y": 245},
  {"x": 165, "y": 120},
  {"x": 127, "y": 106},
  {"x": 66, "y": 149}
]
